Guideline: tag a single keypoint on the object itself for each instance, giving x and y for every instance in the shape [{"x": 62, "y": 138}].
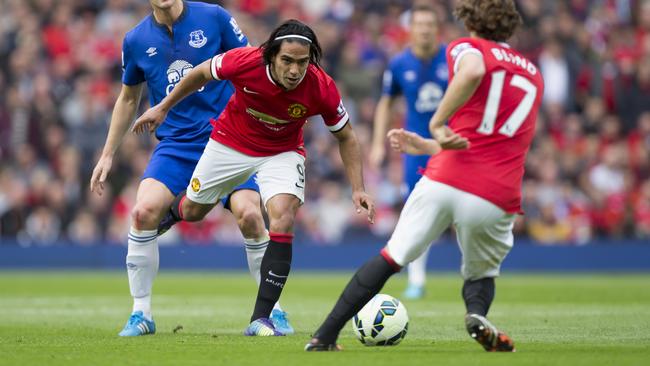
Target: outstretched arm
[
  {"x": 411, "y": 143},
  {"x": 351, "y": 155},
  {"x": 153, "y": 117}
]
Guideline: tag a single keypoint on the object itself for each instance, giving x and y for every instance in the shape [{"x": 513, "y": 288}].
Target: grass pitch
[{"x": 72, "y": 318}]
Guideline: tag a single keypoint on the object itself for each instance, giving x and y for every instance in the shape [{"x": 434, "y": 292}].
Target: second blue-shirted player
[
  {"x": 420, "y": 74},
  {"x": 159, "y": 52}
]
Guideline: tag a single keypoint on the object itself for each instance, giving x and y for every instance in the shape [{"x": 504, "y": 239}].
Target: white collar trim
[{"x": 268, "y": 74}]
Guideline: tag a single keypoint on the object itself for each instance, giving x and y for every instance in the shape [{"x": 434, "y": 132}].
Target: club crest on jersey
[
  {"x": 297, "y": 110},
  {"x": 196, "y": 185},
  {"x": 198, "y": 39}
]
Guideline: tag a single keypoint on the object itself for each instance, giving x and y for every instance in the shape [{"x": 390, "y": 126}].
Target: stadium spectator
[{"x": 52, "y": 51}]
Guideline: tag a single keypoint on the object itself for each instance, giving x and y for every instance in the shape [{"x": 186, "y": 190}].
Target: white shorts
[
  {"x": 483, "y": 230},
  {"x": 220, "y": 169}
]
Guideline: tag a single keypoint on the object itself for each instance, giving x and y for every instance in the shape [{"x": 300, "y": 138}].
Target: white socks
[
  {"x": 417, "y": 270},
  {"x": 142, "y": 266},
  {"x": 142, "y": 263},
  {"x": 255, "y": 249}
]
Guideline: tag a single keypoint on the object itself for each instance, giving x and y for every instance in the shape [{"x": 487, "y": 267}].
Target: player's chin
[
  {"x": 291, "y": 83},
  {"x": 164, "y": 4}
]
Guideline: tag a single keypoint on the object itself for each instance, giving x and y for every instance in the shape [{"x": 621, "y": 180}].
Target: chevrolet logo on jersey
[{"x": 263, "y": 117}]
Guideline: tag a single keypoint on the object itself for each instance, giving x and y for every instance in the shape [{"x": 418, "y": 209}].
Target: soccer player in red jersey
[
  {"x": 491, "y": 102},
  {"x": 277, "y": 87}
]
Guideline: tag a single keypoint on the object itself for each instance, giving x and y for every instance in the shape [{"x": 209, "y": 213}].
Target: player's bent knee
[
  {"x": 403, "y": 255},
  {"x": 145, "y": 216},
  {"x": 251, "y": 222},
  {"x": 282, "y": 222}
]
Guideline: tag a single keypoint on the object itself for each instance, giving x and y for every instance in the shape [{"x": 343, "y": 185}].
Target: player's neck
[
  {"x": 168, "y": 16},
  {"x": 424, "y": 53}
]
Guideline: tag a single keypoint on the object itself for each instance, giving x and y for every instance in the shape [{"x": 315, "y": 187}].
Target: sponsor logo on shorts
[
  {"x": 297, "y": 110},
  {"x": 301, "y": 179},
  {"x": 196, "y": 185}
]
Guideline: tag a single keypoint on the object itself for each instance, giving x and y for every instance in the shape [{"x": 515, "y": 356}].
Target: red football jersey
[
  {"x": 263, "y": 119},
  {"x": 498, "y": 120}
]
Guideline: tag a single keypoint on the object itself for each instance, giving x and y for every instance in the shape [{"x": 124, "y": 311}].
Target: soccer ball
[{"x": 382, "y": 322}]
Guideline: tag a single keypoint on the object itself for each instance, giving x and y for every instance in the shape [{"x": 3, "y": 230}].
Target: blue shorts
[
  {"x": 414, "y": 165},
  {"x": 172, "y": 163}
]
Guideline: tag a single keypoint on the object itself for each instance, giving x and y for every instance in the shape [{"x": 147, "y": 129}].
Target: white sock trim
[
  {"x": 264, "y": 239},
  {"x": 142, "y": 236}
]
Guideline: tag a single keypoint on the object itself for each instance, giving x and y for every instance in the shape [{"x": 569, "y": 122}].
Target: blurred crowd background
[{"x": 588, "y": 173}]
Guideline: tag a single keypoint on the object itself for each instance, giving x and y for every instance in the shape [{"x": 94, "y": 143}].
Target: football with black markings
[{"x": 383, "y": 321}]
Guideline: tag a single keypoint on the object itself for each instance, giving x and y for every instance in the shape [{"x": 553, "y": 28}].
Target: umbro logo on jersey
[
  {"x": 151, "y": 51},
  {"x": 249, "y": 91}
]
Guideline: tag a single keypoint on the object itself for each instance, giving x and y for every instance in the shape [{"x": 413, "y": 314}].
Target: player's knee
[
  {"x": 282, "y": 222},
  {"x": 145, "y": 216},
  {"x": 251, "y": 222}
]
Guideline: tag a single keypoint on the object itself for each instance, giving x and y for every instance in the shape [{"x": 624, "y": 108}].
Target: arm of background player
[
  {"x": 467, "y": 78},
  {"x": 380, "y": 128},
  {"x": 350, "y": 151},
  {"x": 152, "y": 118},
  {"x": 123, "y": 113},
  {"x": 231, "y": 35}
]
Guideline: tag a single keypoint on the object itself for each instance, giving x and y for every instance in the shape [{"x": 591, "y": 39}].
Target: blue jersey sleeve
[
  {"x": 231, "y": 35},
  {"x": 390, "y": 84},
  {"x": 131, "y": 73}
]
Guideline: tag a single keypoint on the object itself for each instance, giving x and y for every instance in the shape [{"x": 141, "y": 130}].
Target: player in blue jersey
[
  {"x": 420, "y": 74},
  {"x": 159, "y": 51}
]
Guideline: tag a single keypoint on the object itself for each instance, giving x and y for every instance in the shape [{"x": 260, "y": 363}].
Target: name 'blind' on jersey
[
  {"x": 422, "y": 83},
  {"x": 150, "y": 52},
  {"x": 263, "y": 119},
  {"x": 498, "y": 120}
]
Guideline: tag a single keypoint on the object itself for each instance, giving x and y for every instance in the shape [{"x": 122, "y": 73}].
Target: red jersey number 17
[{"x": 520, "y": 113}]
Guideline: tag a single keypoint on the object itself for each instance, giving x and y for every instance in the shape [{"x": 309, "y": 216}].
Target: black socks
[
  {"x": 365, "y": 284},
  {"x": 478, "y": 295},
  {"x": 274, "y": 272}
]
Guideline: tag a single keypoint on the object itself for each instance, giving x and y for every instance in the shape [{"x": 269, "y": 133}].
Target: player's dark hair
[
  {"x": 271, "y": 47},
  {"x": 495, "y": 20}
]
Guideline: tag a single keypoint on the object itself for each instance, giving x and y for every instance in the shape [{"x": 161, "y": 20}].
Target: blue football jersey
[
  {"x": 421, "y": 82},
  {"x": 153, "y": 54}
]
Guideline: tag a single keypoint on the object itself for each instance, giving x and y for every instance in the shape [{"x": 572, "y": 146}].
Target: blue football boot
[
  {"x": 281, "y": 322},
  {"x": 414, "y": 292},
  {"x": 138, "y": 325},
  {"x": 262, "y": 327}
]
